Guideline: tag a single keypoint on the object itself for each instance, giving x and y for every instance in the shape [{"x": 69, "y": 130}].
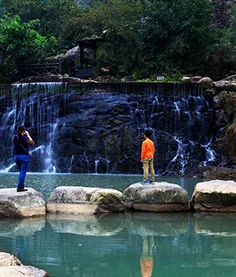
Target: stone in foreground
[
  {"x": 10, "y": 266},
  {"x": 21, "y": 204},
  {"x": 215, "y": 196},
  {"x": 84, "y": 200},
  {"x": 157, "y": 197}
]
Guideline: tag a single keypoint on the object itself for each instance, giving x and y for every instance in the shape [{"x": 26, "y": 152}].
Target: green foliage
[
  {"x": 54, "y": 15},
  {"x": 175, "y": 36},
  {"x": 118, "y": 21},
  {"x": 20, "y": 43},
  {"x": 143, "y": 38}
]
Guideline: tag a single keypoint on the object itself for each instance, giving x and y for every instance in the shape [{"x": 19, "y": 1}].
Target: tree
[
  {"x": 20, "y": 43},
  {"x": 175, "y": 36},
  {"x": 118, "y": 21},
  {"x": 53, "y": 15}
]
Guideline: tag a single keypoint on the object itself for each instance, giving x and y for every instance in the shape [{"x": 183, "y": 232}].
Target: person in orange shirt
[
  {"x": 146, "y": 259},
  {"x": 147, "y": 156}
]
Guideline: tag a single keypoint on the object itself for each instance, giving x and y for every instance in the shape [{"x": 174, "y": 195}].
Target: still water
[
  {"x": 138, "y": 244},
  {"x": 46, "y": 183},
  {"x": 130, "y": 244}
]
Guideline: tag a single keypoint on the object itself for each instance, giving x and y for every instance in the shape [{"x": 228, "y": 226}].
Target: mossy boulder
[
  {"x": 84, "y": 200},
  {"x": 215, "y": 196},
  {"x": 206, "y": 82},
  {"x": 157, "y": 197}
]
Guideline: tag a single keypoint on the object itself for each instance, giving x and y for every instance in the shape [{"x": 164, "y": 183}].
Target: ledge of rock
[
  {"x": 159, "y": 197},
  {"x": 218, "y": 173},
  {"x": 21, "y": 204},
  {"x": 48, "y": 77},
  {"x": 215, "y": 196},
  {"x": 10, "y": 266},
  {"x": 225, "y": 85},
  {"x": 85, "y": 200}
]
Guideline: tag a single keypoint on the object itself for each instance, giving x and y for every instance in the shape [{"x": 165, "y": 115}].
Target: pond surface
[
  {"x": 129, "y": 244},
  {"x": 46, "y": 183},
  {"x": 137, "y": 244}
]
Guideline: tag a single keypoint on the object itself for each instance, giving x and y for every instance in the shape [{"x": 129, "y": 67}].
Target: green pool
[{"x": 129, "y": 244}]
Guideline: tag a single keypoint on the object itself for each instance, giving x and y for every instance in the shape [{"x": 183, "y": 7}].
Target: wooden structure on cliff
[{"x": 88, "y": 54}]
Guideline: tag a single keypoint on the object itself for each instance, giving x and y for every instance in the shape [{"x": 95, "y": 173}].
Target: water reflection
[
  {"x": 213, "y": 224},
  {"x": 146, "y": 259},
  {"x": 20, "y": 227},
  {"x": 157, "y": 224},
  {"x": 176, "y": 244},
  {"x": 90, "y": 225}
]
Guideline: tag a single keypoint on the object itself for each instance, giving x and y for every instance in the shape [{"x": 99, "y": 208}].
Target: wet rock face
[
  {"x": 104, "y": 132},
  {"x": 98, "y": 129}
]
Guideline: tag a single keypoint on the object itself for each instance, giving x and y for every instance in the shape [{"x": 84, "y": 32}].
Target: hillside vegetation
[{"x": 142, "y": 38}]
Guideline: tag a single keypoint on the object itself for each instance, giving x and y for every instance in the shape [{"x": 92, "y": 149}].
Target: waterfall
[
  {"x": 34, "y": 105},
  {"x": 98, "y": 128}
]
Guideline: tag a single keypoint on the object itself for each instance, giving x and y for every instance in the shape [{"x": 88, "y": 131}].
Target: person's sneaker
[
  {"x": 151, "y": 182},
  {"x": 18, "y": 190},
  {"x": 144, "y": 182}
]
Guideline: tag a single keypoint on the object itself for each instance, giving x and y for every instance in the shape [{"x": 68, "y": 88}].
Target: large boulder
[
  {"x": 193, "y": 79},
  {"x": 21, "y": 204},
  {"x": 7, "y": 259},
  {"x": 206, "y": 82},
  {"x": 86, "y": 200},
  {"x": 159, "y": 197},
  {"x": 10, "y": 266},
  {"x": 215, "y": 196}
]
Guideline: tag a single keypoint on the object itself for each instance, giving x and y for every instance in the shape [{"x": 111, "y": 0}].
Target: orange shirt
[
  {"x": 146, "y": 266},
  {"x": 148, "y": 149}
]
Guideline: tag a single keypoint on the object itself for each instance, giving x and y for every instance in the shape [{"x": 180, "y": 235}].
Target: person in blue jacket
[{"x": 21, "y": 154}]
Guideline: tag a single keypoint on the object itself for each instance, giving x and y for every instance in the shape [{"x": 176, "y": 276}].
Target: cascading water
[
  {"x": 97, "y": 128},
  {"x": 34, "y": 105}
]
